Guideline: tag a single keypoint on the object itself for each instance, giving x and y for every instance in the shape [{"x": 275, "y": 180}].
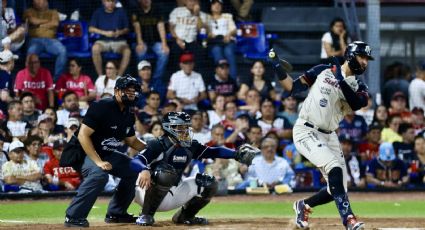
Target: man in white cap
[
  {"x": 7, "y": 63},
  {"x": 71, "y": 126},
  {"x": 148, "y": 84}
]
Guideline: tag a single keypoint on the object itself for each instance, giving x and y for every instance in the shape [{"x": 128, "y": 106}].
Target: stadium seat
[
  {"x": 74, "y": 36},
  {"x": 252, "y": 41}
]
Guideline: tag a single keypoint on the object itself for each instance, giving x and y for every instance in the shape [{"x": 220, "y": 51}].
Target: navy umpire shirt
[{"x": 110, "y": 124}]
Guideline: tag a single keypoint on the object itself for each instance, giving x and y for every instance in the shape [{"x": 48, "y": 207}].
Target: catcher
[{"x": 161, "y": 165}]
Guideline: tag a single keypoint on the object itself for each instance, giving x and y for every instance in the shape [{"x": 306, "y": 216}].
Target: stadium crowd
[{"x": 383, "y": 143}]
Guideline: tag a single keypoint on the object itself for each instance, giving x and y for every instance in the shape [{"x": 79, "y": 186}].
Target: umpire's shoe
[
  {"x": 76, "y": 222},
  {"x": 124, "y": 218},
  {"x": 145, "y": 220},
  {"x": 353, "y": 224},
  {"x": 179, "y": 218},
  {"x": 301, "y": 214}
]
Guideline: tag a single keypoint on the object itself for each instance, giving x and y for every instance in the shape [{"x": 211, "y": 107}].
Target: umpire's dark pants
[{"x": 95, "y": 180}]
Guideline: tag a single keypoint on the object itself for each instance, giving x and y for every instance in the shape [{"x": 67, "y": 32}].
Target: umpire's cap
[
  {"x": 358, "y": 48},
  {"x": 127, "y": 81}
]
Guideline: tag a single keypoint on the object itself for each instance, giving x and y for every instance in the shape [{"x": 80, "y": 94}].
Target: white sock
[{"x": 6, "y": 40}]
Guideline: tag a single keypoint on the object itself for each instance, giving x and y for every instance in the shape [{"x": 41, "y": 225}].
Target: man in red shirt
[
  {"x": 369, "y": 149},
  {"x": 36, "y": 80},
  {"x": 60, "y": 178}
]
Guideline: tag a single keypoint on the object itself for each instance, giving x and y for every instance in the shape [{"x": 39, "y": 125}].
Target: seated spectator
[
  {"x": 367, "y": 112},
  {"x": 77, "y": 82},
  {"x": 60, "y": 178},
  {"x": 404, "y": 149},
  {"x": 396, "y": 78},
  {"x": 290, "y": 109},
  {"x": 269, "y": 169},
  {"x": 15, "y": 126},
  {"x": 105, "y": 83},
  {"x": 237, "y": 134},
  {"x": 269, "y": 121},
  {"x": 33, "y": 147},
  {"x": 3, "y": 159},
  {"x": 294, "y": 158},
  {"x": 390, "y": 132},
  {"x": 51, "y": 116},
  {"x": 334, "y": 42},
  {"x": 30, "y": 113},
  {"x": 387, "y": 170},
  {"x": 199, "y": 133},
  {"x": 218, "y": 139},
  {"x": 13, "y": 36},
  {"x": 354, "y": 126},
  {"x": 44, "y": 130},
  {"x": 254, "y": 135},
  {"x": 356, "y": 170},
  {"x": 417, "y": 167},
  {"x": 19, "y": 174},
  {"x": 398, "y": 106},
  {"x": 171, "y": 106},
  {"x": 369, "y": 148},
  {"x": 111, "y": 24},
  {"x": 148, "y": 84},
  {"x": 418, "y": 120},
  {"x": 7, "y": 64},
  {"x": 150, "y": 31},
  {"x": 222, "y": 36},
  {"x": 43, "y": 23},
  {"x": 37, "y": 80},
  {"x": 380, "y": 115},
  {"x": 242, "y": 7},
  {"x": 216, "y": 115},
  {"x": 229, "y": 121},
  {"x": 69, "y": 104},
  {"x": 71, "y": 127},
  {"x": 252, "y": 104},
  {"x": 155, "y": 131},
  {"x": 222, "y": 84},
  {"x": 186, "y": 85},
  {"x": 258, "y": 82},
  {"x": 417, "y": 88},
  {"x": 149, "y": 114}
]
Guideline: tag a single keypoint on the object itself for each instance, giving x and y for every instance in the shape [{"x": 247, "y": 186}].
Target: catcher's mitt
[{"x": 246, "y": 153}]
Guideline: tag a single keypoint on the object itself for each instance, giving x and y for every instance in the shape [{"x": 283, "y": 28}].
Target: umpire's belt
[{"x": 317, "y": 128}]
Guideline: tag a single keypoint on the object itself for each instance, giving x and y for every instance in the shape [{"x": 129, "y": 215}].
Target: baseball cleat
[
  {"x": 179, "y": 218},
  {"x": 353, "y": 224},
  {"x": 301, "y": 214},
  {"x": 76, "y": 222},
  {"x": 145, "y": 220},
  {"x": 125, "y": 218}
]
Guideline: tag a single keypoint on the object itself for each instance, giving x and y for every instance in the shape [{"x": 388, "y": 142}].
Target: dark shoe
[
  {"x": 302, "y": 211},
  {"x": 353, "y": 224},
  {"x": 76, "y": 223},
  {"x": 125, "y": 218},
  {"x": 145, "y": 220},
  {"x": 178, "y": 218}
]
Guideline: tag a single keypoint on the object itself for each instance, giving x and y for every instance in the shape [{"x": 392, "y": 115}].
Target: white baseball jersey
[
  {"x": 186, "y": 23},
  {"x": 325, "y": 105}
]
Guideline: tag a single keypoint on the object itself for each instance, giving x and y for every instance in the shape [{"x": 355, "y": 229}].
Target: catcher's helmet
[
  {"x": 354, "y": 49},
  {"x": 178, "y": 126},
  {"x": 125, "y": 82}
]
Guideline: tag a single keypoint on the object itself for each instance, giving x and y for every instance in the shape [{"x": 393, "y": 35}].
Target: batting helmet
[
  {"x": 178, "y": 126},
  {"x": 354, "y": 49},
  {"x": 125, "y": 82}
]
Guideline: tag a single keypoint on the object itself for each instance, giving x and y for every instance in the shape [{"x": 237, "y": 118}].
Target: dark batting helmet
[
  {"x": 125, "y": 82},
  {"x": 354, "y": 49},
  {"x": 178, "y": 126}
]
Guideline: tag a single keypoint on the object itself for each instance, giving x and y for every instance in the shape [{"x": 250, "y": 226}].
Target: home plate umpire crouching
[{"x": 160, "y": 185}]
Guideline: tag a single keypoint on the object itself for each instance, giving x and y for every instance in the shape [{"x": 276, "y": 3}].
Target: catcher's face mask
[{"x": 183, "y": 134}]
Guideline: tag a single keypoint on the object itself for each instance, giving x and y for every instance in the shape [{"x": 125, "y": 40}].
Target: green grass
[{"x": 53, "y": 211}]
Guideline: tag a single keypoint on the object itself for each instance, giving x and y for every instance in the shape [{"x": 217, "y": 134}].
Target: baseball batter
[{"x": 334, "y": 92}]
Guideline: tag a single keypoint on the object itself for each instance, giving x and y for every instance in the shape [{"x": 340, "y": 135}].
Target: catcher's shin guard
[{"x": 153, "y": 198}]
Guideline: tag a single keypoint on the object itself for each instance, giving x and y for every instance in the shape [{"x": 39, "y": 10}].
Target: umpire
[{"x": 106, "y": 127}]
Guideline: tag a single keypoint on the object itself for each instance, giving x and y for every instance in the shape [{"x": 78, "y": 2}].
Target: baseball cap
[
  {"x": 345, "y": 138},
  {"x": 418, "y": 111},
  {"x": 220, "y": 1},
  {"x": 43, "y": 117},
  {"x": 59, "y": 144},
  {"x": 16, "y": 146},
  {"x": 375, "y": 125},
  {"x": 72, "y": 121},
  {"x": 222, "y": 62},
  {"x": 386, "y": 152},
  {"x": 186, "y": 57},
  {"x": 397, "y": 95},
  {"x": 6, "y": 56},
  {"x": 143, "y": 64}
]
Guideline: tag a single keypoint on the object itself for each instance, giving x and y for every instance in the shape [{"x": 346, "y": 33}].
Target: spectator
[
  {"x": 290, "y": 109},
  {"x": 111, "y": 24},
  {"x": 16, "y": 127},
  {"x": 149, "y": 84},
  {"x": 149, "y": 114},
  {"x": 242, "y": 7},
  {"x": 418, "y": 120},
  {"x": 396, "y": 77},
  {"x": 398, "y": 106},
  {"x": 369, "y": 149},
  {"x": 43, "y": 23},
  {"x": 3, "y": 156},
  {"x": 356, "y": 170},
  {"x": 269, "y": 121},
  {"x": 258, "y": 82},
  {"x": 155, "y": 130},
  {"x": 51, "y": 116},
  {"x": 254, "y": 135},
  {"x": 222, "y": 84},
  {"x": 334, "y": 42},
  {"x": 185, "y": 22},
  {"x": 7, "y": 64},
  {"x": 77, "y": 82},
  {"x": 404, "y": 149},
  {"x": 390, "y": 133},
  {"x": 36, "y": 80},
  {"x": 269, "y": 169},
  {"x": 417, "y": 88},
  {"x": 44, "y": 130},
  {"x": 419, "y": 164},
  {"x": 30, "y": 113},
  {"x": 20, "y": 175},
  {"x": 216, "y": 115},
  {"x": 218, "y": 138},
  {"x": 354, "y": 126},
  {"x": 199, "y": 133},
  {"x": 238, "y": 132},
  {"x": 170, "y": 106},
  {"x": 33, "y": 146},
  {"x": 229, "y": 118},
  {"x": 251, "y": 106},
  {"x": 71, "y": 127},
  {"x": 13, "y": 36},
  {"x": 187, "y": 85},
  {"x": 60, "y": 178},
  {"x": 70, "y": 104},
  {"x": 149, "y": 26},
  {"x": 387, "y": 170},
  {"x": 222, "y": 36},
  {"x": 367, "y": 112},
  {"x": 380, "y": 115},
  {"x": 105, "y": 83}
]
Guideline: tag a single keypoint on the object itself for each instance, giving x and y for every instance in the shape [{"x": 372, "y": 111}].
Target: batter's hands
[
  {"x": 145, "y": 179},
  {"x": 338, "y": 73},
  {"x": 104, "y": 165}
]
